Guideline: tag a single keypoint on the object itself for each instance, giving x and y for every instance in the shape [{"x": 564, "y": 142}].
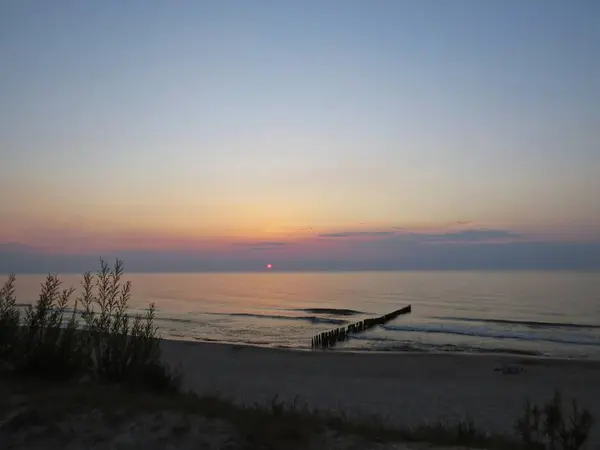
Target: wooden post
[{"x": 329, "y": 338}]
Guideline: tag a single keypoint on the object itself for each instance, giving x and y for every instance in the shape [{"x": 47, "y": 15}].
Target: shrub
[
  {"x": 109, "y": 343},
  {"x": 551, "y": 427}
]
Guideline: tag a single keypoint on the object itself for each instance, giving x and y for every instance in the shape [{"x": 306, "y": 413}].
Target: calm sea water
[{"x": 539, "y": 313}]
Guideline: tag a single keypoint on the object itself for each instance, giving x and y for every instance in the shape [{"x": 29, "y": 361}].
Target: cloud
[
  {"x": 352, "y": 234},
  {"x": 261, "y": 244},
  {"x": 402, "y": 235},
  {"x": 469, "y": 236},
  {"x": 366, "y": 249}
]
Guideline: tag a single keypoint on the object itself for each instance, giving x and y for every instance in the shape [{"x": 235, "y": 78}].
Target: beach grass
[{"x": 97, "y": 337}]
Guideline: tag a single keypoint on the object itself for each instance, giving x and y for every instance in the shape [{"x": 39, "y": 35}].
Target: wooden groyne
[{"x": 330, "y": 338}]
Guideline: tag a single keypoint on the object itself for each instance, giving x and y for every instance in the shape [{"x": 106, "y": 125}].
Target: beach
[{"x": 402, "y": 388}]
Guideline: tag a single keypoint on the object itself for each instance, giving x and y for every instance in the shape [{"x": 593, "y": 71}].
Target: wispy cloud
[
  {"x": 435, "y": 246},
  {"x": 469, "y": 236},
  {"x": 352, "y": 234},
  {"x": 261, "y": 244},
  {"x": 403, "y": 235}
]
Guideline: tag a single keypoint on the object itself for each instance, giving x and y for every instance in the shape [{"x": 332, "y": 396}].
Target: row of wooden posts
[{"x": 330, "y": 338}]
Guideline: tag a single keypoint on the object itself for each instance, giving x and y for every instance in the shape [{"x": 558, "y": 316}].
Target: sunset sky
[{"x": 314, "y": 134}]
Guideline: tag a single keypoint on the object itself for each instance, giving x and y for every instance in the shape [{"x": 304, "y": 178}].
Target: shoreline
[
  {"x": 399, "y": 388},
  {"x": 490, "y": 354}
]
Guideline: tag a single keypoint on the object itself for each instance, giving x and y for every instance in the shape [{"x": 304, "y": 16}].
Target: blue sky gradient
[{"x": 138, "y": 126}]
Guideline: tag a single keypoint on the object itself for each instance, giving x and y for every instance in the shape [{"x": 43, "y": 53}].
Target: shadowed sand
[{"x": 403, "y": 388}]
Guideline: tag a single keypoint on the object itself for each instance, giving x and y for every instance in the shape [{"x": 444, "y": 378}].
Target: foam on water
[{"x": 495, "y": 334}]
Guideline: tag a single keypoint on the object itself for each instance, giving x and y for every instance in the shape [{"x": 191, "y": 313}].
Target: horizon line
[{"x": 316, "y": 270}]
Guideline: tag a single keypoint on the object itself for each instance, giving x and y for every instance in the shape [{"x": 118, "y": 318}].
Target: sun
[{"x": 269, "y": 266}]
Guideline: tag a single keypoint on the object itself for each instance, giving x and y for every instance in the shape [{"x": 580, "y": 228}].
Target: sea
[{"x": 522, "y": 313}]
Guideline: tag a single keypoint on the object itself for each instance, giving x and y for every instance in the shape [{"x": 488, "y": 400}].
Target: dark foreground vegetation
[
  {"x": 95, "y": 336},
  {"x": 62, "y": 359}
]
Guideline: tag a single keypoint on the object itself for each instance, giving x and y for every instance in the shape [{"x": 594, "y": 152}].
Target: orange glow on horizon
[{"x": 281, "y": 237}]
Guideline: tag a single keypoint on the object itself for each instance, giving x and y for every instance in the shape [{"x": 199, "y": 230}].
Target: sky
[{"x": 224, "y": 135}]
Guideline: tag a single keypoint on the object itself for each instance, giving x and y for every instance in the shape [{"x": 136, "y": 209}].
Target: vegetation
[
  {"x": 551, "y": 427},
  {"x": 277, "y": 425},
  {"x": 9, "y": 319},
  {"x": 99, "y": 341},
  {"x": 97, "y": 337}
]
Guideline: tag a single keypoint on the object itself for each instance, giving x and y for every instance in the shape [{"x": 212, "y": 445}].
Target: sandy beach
[{"x": 401, "y": 388}]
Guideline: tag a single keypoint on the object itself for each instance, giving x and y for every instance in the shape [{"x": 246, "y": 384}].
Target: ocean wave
[
  {"x": 174, "y": 334},
  {"x": 66, "y": 311},
  {"x": 311, "y": 319},
  {"x": 409, "y": 347},
  {"x": 204, "y": 339},
  {"x": 231, "y": 342},
  {"x": 363, "y": 337},
  {"x": 528, "y": 323},
  {"x": 176, "y": 319},
  {"x": 484, "y": 333},
  {"x": 332, "y": 311}
]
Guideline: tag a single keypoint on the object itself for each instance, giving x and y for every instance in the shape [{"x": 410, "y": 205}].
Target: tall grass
[
  {"x": 9, "y": 318},
  {"x": 552, "y": 427},
  {"x": 43, "y": 345},
  {"x": 97, "y": 337}
]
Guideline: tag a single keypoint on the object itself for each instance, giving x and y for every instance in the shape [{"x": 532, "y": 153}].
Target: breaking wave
[
  {"x": 527, "y": 323},
  {"x": 494, "y": 334},
  {"x": 311, "y": 319},
  {"x": 332, "y": 311}
]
